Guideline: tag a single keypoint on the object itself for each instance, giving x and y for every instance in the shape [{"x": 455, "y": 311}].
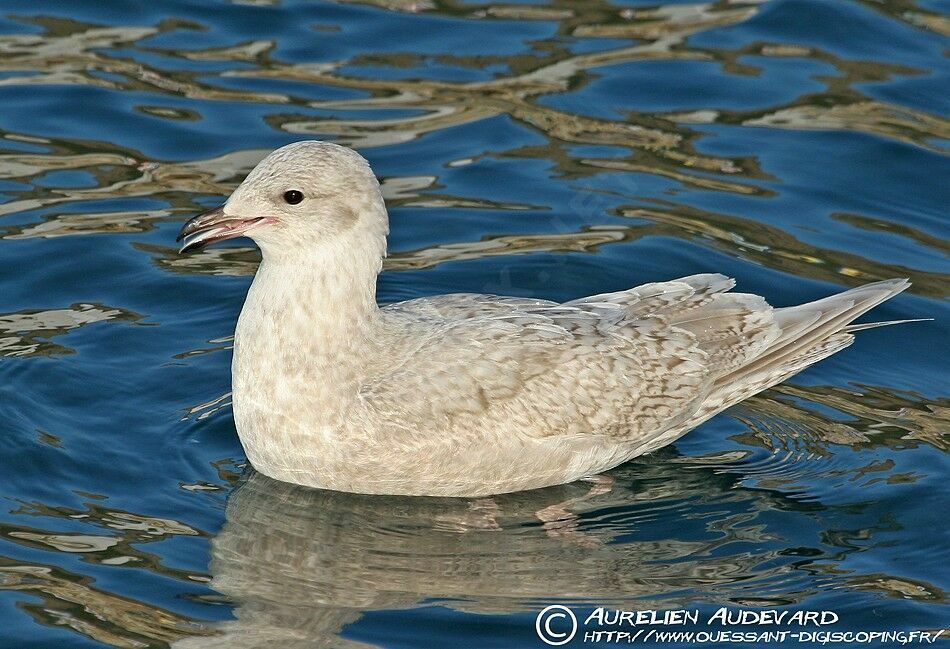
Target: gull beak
[{"x": 212, "y": 226}]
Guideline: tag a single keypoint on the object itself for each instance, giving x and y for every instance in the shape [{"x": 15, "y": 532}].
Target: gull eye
[{"x": 293, "y": 196}]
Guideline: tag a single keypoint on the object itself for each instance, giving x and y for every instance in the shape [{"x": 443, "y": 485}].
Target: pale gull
[{"x": 465, "y": 394}]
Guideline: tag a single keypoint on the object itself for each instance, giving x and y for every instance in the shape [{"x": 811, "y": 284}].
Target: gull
[{"x": 465, "y": 394}]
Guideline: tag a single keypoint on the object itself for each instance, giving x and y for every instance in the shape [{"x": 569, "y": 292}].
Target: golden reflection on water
[
  {"x": 299, "y": 565},
  {"x": 70, "y": 599},
  {"x": 68, "y": 52},
  {"x": 30, "y": 332},
  {"x": 755, "y": 241},
  {"x": 878, "y": 417}
]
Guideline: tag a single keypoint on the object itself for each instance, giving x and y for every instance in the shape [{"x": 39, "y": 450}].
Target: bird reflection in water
[{"x": 300, "y": 564}]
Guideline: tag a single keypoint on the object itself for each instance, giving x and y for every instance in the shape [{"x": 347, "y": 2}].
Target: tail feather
[
  {"x": 765, "y": 346},
  {"x": 809, "y": 325},
  {"x": 874, "y": 325}
]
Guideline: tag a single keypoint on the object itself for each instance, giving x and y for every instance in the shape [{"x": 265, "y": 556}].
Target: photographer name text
[{"x": 722, "y": 616}]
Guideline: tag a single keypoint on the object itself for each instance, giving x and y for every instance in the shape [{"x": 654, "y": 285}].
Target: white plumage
[{"x": 468, "y": 395}]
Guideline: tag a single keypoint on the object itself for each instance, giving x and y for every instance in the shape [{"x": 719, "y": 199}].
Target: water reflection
[
  {"x": 763, "y": 524},
  {"x": 782, "y": 142},
  {"x": 29, "y": 332},
  {"x": 875, "y": 416},
  {"x": 300, "y": 564},
  {"x": 70, "y": 599},
  {"x": 659, "y": 143},
  {"x": 757, "y": 242},
  {"x": 67, "y": 600}
]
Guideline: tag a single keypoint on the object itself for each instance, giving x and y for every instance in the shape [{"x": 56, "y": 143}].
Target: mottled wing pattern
[
  {"x": 628, "y": 365},
  {"x": 799, "y": 336},
  {"x": 465, "y": 305}
]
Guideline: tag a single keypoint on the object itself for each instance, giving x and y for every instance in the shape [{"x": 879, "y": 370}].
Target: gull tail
[{"x": 805, "y": 335}]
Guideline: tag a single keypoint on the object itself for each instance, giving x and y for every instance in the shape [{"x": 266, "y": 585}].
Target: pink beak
[{"x": 212, "y": 226}]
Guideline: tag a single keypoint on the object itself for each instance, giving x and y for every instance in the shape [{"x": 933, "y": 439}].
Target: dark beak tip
[{"x": 197, "y": 223}]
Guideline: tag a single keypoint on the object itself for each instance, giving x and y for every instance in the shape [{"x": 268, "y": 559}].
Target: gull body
[{"x": 464, "y": 394}]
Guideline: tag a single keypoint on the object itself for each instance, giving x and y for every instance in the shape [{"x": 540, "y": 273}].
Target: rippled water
[{"x": 555, "y": 150}]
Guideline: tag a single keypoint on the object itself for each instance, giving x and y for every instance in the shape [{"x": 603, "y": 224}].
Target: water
[{"x": 553, "y": 150}]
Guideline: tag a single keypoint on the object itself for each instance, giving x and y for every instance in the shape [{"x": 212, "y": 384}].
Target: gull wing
[{"x": 643, "y": 365}]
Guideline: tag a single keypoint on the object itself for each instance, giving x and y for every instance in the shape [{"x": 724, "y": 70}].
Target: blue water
[{"x": 555, "y": 150}]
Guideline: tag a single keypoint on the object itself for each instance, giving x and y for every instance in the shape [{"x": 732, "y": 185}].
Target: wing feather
[
  {"x": 608, "y": 365},
  {"x": 641, "y": 366}
]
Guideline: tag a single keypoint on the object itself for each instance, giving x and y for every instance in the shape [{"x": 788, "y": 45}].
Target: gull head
[{"x": 301, "y": 196}]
